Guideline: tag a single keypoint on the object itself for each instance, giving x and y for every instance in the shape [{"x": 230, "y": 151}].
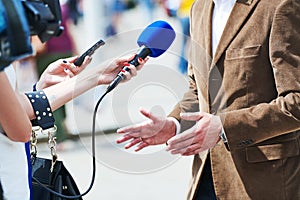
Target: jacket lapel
[{"x": 239, "y": 14}]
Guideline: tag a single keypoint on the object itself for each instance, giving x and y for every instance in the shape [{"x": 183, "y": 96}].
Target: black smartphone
[{"x": 89, "y": 52}]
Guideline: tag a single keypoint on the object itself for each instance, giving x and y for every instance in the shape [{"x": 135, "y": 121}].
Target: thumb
[
  {"x": 148, "y": 114},
  {"x": 192, "y": 116},
  {"x": 72, "y": 59}
]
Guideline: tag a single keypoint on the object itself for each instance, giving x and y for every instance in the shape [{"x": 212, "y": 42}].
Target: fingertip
[
  {"x": 72, "y": 59},
  {"x": 188, "y": 116},
  {"x": 188, "y": 153},
  {"x": 142, "y": 146},
  {"x": 139, "y": 148},
  {"x": 128, "y": 146},
  {"x": 183, "y": 114},
  {"x": 120, "y": 131},
  {"x": 144, "y": 111},
  {"x": 141, "y": 61},
  {"x": 118, "y": 141},
  {"x": 169, "y": 143},
  {"x": 132, "y": 57},
  {"x": 173, "y": 152},
  {"x": 125, "y": 59},
  {"x": 126, "y": 64},
  {"x": 121, "y": 139}
]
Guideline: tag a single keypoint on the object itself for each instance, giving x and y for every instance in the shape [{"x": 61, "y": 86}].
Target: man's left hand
[{"x": 202, "y": 136}]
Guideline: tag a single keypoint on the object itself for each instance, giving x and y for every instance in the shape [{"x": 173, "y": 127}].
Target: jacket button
[
  {"x": 240, "y": 145},
  {"x": 249, "y": 141}
]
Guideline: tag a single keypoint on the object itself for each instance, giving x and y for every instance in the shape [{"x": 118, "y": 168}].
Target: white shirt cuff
[
  {"x": 223, "y": 136},
  {"x": 177, "y": 124}
]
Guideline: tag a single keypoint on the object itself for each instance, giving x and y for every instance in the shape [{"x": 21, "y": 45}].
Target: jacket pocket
[
  {"x": 273, "y": 151},
  {"x": 247, "y": 52}
]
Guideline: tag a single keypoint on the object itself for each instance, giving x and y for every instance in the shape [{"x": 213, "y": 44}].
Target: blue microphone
[{"x": 153, "y": 42}]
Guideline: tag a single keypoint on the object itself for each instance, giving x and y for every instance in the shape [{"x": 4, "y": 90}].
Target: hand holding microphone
[
  {"x": 116, "y": 66},
  {"x": 153, "y": 42}
]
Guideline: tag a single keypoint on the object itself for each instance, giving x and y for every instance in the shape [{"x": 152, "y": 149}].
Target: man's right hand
[{"x": 156, "y": 130}]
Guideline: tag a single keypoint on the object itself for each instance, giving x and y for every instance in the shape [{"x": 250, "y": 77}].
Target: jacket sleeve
[{"x": 189, "y": 102}]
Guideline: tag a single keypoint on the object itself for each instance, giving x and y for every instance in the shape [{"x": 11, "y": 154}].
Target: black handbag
[
  {"x": 50, "y": 178},
  {"x": 59, "y": 180}
]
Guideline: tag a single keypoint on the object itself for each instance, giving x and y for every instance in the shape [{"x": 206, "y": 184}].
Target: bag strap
[
  {"x": 45, "y": 119},
  {"x": 51, "y": 144}
]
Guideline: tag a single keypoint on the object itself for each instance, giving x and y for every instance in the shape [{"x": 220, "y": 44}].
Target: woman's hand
[
  {"x": 60, "y": 71},
  {"x": 108, "y": 74}
]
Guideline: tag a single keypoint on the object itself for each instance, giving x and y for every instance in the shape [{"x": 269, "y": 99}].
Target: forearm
[
  {"x": 59, "y": 94},
  {"x": 13, "y": 117},
  {"x": 63, "y": 92}
]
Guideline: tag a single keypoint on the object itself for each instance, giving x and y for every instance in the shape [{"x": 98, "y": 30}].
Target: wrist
[
  {"x": 99, "y": 77},
  {"x": 175, "y": 124},
  {"x": 40, "y": 85},
  {"x": 172, "y": 129}
]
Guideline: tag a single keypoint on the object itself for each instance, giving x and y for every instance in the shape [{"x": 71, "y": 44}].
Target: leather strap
[{"x": 42, "y": 110}]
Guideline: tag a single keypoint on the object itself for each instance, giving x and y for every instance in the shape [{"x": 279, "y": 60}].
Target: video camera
[{"x": 20, "y": 19}]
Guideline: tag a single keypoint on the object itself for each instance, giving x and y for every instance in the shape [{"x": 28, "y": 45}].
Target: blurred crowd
[{"x": 73, "y": 12}]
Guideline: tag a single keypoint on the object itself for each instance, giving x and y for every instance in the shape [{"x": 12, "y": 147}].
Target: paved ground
[{"x": 152, "y": 174}]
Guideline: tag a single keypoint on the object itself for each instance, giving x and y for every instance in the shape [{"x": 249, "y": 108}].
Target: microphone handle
[{"x": 143, "y": 53}]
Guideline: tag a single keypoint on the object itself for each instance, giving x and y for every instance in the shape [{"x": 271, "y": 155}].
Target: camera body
[
  {"x": 44, "y": 18},
  {"x": 20, "y": 19}
]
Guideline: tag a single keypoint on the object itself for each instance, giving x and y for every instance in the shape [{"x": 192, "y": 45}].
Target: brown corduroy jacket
[{"x": 253, "y": 83}]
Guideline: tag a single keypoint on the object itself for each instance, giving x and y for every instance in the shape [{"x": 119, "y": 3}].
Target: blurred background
[{"x": 151, "y": 173}]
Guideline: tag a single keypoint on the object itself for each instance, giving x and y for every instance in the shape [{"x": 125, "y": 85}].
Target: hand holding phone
[{"x": 89, "y": 52}]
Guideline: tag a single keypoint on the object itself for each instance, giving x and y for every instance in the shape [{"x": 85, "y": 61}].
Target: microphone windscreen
[{"x": 158, "y": 37}]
